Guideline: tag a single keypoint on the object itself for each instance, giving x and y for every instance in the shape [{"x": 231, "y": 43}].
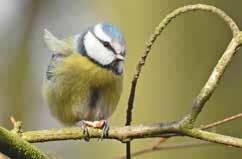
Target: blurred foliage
[{"x": 178, "y": 66}]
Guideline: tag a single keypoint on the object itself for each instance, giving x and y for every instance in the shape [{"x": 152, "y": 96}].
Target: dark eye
[{"x": 106, "y": 44}]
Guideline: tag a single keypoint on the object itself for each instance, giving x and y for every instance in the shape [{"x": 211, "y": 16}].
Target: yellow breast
[{"x": 68, "y": 94}]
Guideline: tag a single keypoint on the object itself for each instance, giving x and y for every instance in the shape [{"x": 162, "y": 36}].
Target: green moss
[{"x": 17, "y": 148}]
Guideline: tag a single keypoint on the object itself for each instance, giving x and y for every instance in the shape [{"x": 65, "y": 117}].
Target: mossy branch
[
  {"x": 128, "y": 133},
  {"x": 17, "y": 148},
  {"x": 15, "y": 144}
]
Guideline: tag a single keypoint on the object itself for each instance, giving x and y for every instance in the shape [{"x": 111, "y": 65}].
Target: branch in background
[
  {"x": 168, "y": 147},
  {"x": 234, "y": 28},
  {"x": 212, "y": 82},
  {"x": 220, "y": 122},
  {"x": 156, "y": 145}
]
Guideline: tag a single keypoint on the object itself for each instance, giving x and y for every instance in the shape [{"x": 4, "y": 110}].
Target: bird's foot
[
  {"x": 102, "y": 124},
  {"x": 83, "y": 126},
  {"x": 105, "y": 129}
]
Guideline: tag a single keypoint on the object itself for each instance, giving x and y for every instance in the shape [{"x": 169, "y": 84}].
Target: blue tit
[{"x": 84, "y": 78}]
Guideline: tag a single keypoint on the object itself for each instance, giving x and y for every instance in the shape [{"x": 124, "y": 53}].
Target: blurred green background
[{"x": 178, "y": 66}]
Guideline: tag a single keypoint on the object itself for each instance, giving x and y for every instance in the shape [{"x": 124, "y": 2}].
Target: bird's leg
[
  {"x": 101, "y": 124},
  {"x": 105, "y": 129},
  {"x": 83, "y": 126}
]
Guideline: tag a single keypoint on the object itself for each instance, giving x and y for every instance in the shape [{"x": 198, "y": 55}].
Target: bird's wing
[{"x": 55, "y": 45}]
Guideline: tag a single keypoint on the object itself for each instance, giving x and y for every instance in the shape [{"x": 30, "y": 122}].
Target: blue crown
[{"x": 113, "y": 32}]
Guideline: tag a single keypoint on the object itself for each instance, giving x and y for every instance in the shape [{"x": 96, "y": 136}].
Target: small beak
[
  {"x": 119, "y": 57},
  {"x": 117, "y": 64}
]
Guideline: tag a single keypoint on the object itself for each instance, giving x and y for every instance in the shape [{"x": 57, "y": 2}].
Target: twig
[
  {"x": 209, "y": 87},
  {"x": 129, "y": 133},
  {"x": 240, "y": 37},
  {"x": 168, "y": 147},
  {"x": 217, "y": 123},
  {"x": 17, "y": 126},
  {"x": 213, "y": 80},
  {"x": 157, "y": 143},
  {"x": 234, "y": 28}
]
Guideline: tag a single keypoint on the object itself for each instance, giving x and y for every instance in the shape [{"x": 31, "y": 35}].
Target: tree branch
[
  {"x": 220, "y": 122},
  {"x": 213, "y": 80},
  {"x": 123, "y": 134},
  {"x": 213, "y": 137},
  {"x": 157, "y": 147},
  {"x": 168, "y": 147},
  {"x": 240, "y": 37},
  {"x": 209, "y": 87},
  {"x": 234, "y": 28},
  {"x": 16, "y": 147},
  {"x": 128, "y": 133}
]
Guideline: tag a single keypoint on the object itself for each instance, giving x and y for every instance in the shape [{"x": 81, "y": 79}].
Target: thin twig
[
  {"x": 206, "y": 92},
  {"x": 168, "y": 147},
  {"x": 17, "y": 126},
  {"x": 157, "y": 143},
  {"x": 220, "y": 122},
  {"x": 213, "y": 80},
  {"x": 234, "y": 28},
  {"x": 240, "y": 37}
]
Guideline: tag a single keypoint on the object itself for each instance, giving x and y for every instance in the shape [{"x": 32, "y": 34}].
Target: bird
[{"x": 84, "y": 78}]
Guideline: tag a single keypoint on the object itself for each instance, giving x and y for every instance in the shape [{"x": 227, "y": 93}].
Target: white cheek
[{"x": 97, "y": 51}]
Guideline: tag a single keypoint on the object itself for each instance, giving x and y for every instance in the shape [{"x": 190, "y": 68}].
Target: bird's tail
[{"x": 55, "y": 45}]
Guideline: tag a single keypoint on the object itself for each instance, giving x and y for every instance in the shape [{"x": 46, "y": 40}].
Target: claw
[
  {"x": 83, "y": 126},
  {"x": 105, "y": 129},
  {"x": 102, "y": 124}
]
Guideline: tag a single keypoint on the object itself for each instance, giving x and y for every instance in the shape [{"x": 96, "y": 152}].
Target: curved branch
[
  {"x": 233, "y": 27},
  {"x": 213, "y": 80},
  {"x": 204, "y": 95}
]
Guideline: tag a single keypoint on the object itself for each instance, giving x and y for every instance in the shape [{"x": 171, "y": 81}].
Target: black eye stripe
[
  {"x": 105, "y": 44},
  {"x": 108, "y": 46}
]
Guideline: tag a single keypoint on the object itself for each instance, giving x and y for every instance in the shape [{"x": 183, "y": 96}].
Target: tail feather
[{"x": 54, "y": 44}]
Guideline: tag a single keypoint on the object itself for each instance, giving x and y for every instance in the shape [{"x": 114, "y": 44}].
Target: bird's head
[{"x": 103, "y": 44}]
